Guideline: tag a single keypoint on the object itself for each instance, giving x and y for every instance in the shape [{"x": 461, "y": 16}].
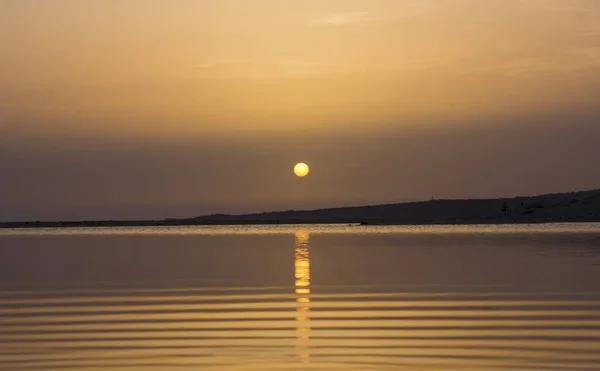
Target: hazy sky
[{"x": 115, "y": 109}]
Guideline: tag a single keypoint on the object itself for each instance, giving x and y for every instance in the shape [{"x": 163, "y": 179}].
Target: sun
[{"x": 301, "y": 169}]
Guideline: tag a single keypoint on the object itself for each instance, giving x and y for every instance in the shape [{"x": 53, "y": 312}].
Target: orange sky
[
  {"x": 188, "y": 70},
  {"x": 272, "y": 63}
]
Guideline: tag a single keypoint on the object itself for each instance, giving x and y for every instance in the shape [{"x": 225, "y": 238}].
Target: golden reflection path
[{"x": 302, "y": 290}]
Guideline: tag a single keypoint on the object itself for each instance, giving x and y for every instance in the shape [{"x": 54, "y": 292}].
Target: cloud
[
  {"x": 344, "y": 18},
  {"x": 280, "y": 69},
  {"x": 573, "y": 60},
  {"x": 399, "y": 10},
  {"x": 564, "y": 6},
  {"x": 248, "y": 69}
]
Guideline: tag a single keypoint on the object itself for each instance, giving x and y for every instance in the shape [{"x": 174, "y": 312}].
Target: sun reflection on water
[{"x": 302, "y": 289}]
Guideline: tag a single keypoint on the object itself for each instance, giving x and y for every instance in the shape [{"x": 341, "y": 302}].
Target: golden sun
[{"x": 301, "y": 169}]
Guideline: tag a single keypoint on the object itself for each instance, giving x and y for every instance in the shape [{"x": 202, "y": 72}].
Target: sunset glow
[
  {"x": 299, "y": 185},
  {"x": 149, "y": 109}
]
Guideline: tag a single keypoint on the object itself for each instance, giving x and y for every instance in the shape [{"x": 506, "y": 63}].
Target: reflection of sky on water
[{"x": 391, "y": 299}]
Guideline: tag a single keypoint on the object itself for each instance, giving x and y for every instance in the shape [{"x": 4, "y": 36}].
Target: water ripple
[{"x": 300, "y": 326}]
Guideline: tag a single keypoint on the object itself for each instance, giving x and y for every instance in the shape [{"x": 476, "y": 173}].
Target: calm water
[{"x": 301, "y": 297}]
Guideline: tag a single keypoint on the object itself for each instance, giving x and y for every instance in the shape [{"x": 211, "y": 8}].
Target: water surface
[{"x": 519, "y": 297}]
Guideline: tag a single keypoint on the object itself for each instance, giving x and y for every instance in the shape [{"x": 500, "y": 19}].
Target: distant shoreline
[
  {"x": 583, "y": 206},
  {"x": 116, "y": 224}
]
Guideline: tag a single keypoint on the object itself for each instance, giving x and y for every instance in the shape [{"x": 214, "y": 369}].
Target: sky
[{"x": 145, "y": 109}]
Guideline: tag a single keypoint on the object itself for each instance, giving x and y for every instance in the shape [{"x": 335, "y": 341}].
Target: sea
[{"x": 301, "y": 297}]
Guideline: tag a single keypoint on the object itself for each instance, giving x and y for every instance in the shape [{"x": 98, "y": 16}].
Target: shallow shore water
[{"x": 296, "y": 297}]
